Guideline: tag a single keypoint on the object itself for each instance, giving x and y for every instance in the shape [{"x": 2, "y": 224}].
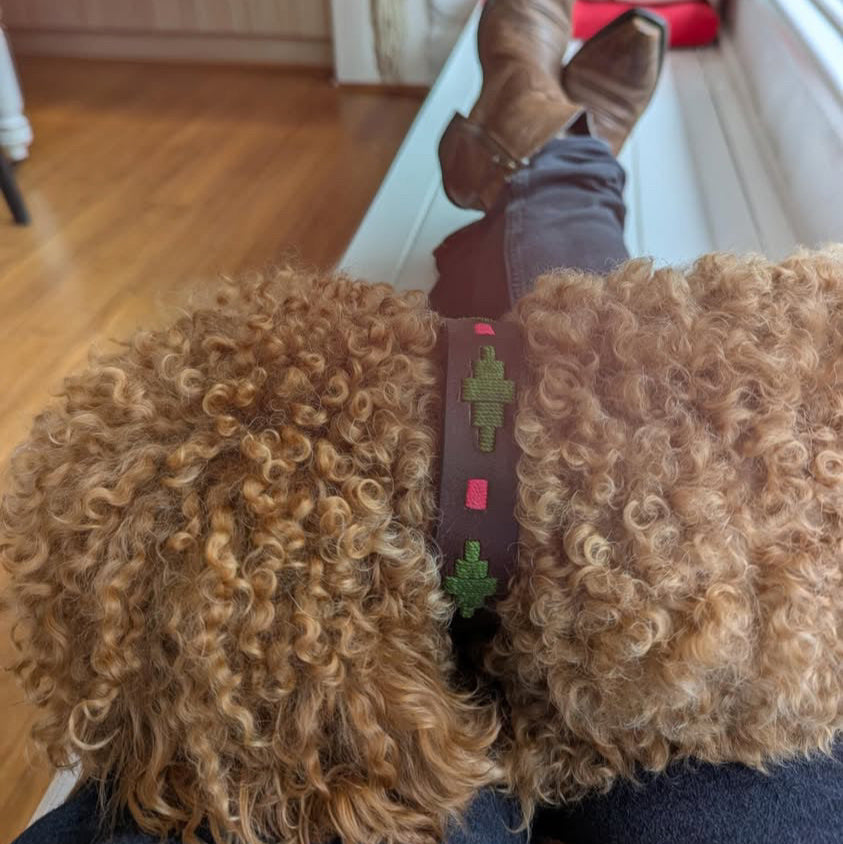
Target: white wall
[
  {"x": 282, "y": 31},
  {"x": 431, "y": 29}
]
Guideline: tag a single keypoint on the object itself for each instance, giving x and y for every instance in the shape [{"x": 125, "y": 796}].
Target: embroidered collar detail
[{"x": 477, "y": 532}]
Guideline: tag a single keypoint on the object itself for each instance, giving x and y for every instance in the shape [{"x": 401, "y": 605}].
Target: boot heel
[{"x": 474, "y": 165}]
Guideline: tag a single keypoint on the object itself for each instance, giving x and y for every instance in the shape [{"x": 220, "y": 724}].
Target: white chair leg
[{"x": 15, "y": 131}]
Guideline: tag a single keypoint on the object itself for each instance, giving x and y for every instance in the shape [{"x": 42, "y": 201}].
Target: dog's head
[{"x": 227, "y": 600}]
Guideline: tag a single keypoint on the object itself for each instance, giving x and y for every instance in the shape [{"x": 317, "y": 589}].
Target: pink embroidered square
[
  {"x": 476, "y": 493},
  {"x": 483, "y": 328}
]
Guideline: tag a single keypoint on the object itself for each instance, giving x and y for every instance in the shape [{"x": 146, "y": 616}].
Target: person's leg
[
  {"x": 492, "y": 818},
  {"x": 696, "y": 803},
  {"x": 565, "y": 210}
]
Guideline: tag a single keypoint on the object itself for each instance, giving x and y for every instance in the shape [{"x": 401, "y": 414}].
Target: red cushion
[{"x": 692, "y": 24}]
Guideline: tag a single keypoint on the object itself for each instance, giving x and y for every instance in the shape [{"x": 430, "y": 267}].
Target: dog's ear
[{"x": 422, "y": 750}]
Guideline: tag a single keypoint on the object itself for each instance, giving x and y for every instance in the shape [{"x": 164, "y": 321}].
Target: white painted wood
[
  {"x": 94, "y": 12},
  {"x": 354, "y": 44},
  {"x": 632, "y": 233},
  {"x": 291, "y": 18},
  {"x": 212, "y": 16},
  {"x": 433, "y": 27},
  {"x": 387, "y": 235},
  {"x": 355, "y": 59},
  {"x": 240, "y": 18},
  {"x": 313, "y": 19},
  {"x": 446, "y": 19},
  {"x": 749, "y": 145},
  {"x": 418, "y": 270},
  {"x": 672, "y": 224},
  {"x": 15, "y": 131},
  {"x": 57, "y": 792},
  {"x": 792, "y": 60},
  {"x": 833, "y": 10},
  {"x": 68, "y": 13},
  {"x": 166, "y": 15},
  {"x": 819, "y": 29},
  {"x": 18, "y": 9},
  {"x": 727, "y": 211}
]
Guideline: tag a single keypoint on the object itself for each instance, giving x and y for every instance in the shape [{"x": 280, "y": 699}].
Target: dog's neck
[{"x": 477, "y": 532}]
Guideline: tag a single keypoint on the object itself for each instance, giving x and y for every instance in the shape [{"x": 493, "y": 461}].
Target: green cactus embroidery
[
  {"x": 488, "y": 391},
  {"x": 471, "y": 584}
]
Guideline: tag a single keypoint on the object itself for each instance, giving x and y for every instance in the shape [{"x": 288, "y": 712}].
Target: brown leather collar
[{"x": 477, "y": 531}]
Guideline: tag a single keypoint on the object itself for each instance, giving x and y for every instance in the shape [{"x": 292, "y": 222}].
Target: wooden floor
[{"x": 145, "y": 180}]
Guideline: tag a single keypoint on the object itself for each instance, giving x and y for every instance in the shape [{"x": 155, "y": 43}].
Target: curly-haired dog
[{"x": 229, "y": 607}]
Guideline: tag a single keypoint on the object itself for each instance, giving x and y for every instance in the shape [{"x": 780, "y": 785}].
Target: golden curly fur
[
  {"x": 680, "y": 588},
  {"x": 226, "y": 599},
  {"x": 229, "y": 609}
]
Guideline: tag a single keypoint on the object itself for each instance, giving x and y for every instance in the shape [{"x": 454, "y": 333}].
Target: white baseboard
[{"x": 316, "y": 52}]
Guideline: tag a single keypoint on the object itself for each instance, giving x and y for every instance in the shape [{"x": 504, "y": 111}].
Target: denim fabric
[
  {"x": 77, "y": 821},
  {"x": 490, "y": 819},
  {"x": 800, "y": 802},
  {"x": 565, "y": 210}
]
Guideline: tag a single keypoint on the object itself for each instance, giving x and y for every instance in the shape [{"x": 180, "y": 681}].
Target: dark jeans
[
  {"x": 489, "y": 820},
  {"x": 566, "y": 210},
  {"x": 800, "y": 802}
]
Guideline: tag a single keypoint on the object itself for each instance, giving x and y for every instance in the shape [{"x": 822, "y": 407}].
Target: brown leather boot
[
  {"x": 615, "y": 73},
  {"x": 521, "y": 106}
]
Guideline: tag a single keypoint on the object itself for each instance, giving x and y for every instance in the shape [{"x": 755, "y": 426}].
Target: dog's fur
[
  {"x": 229, "y": 608},
  {"x": 680, "y": 586}
]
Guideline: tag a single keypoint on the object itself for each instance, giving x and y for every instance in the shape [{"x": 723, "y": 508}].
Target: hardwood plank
[{"x": 145, "y": 180}]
